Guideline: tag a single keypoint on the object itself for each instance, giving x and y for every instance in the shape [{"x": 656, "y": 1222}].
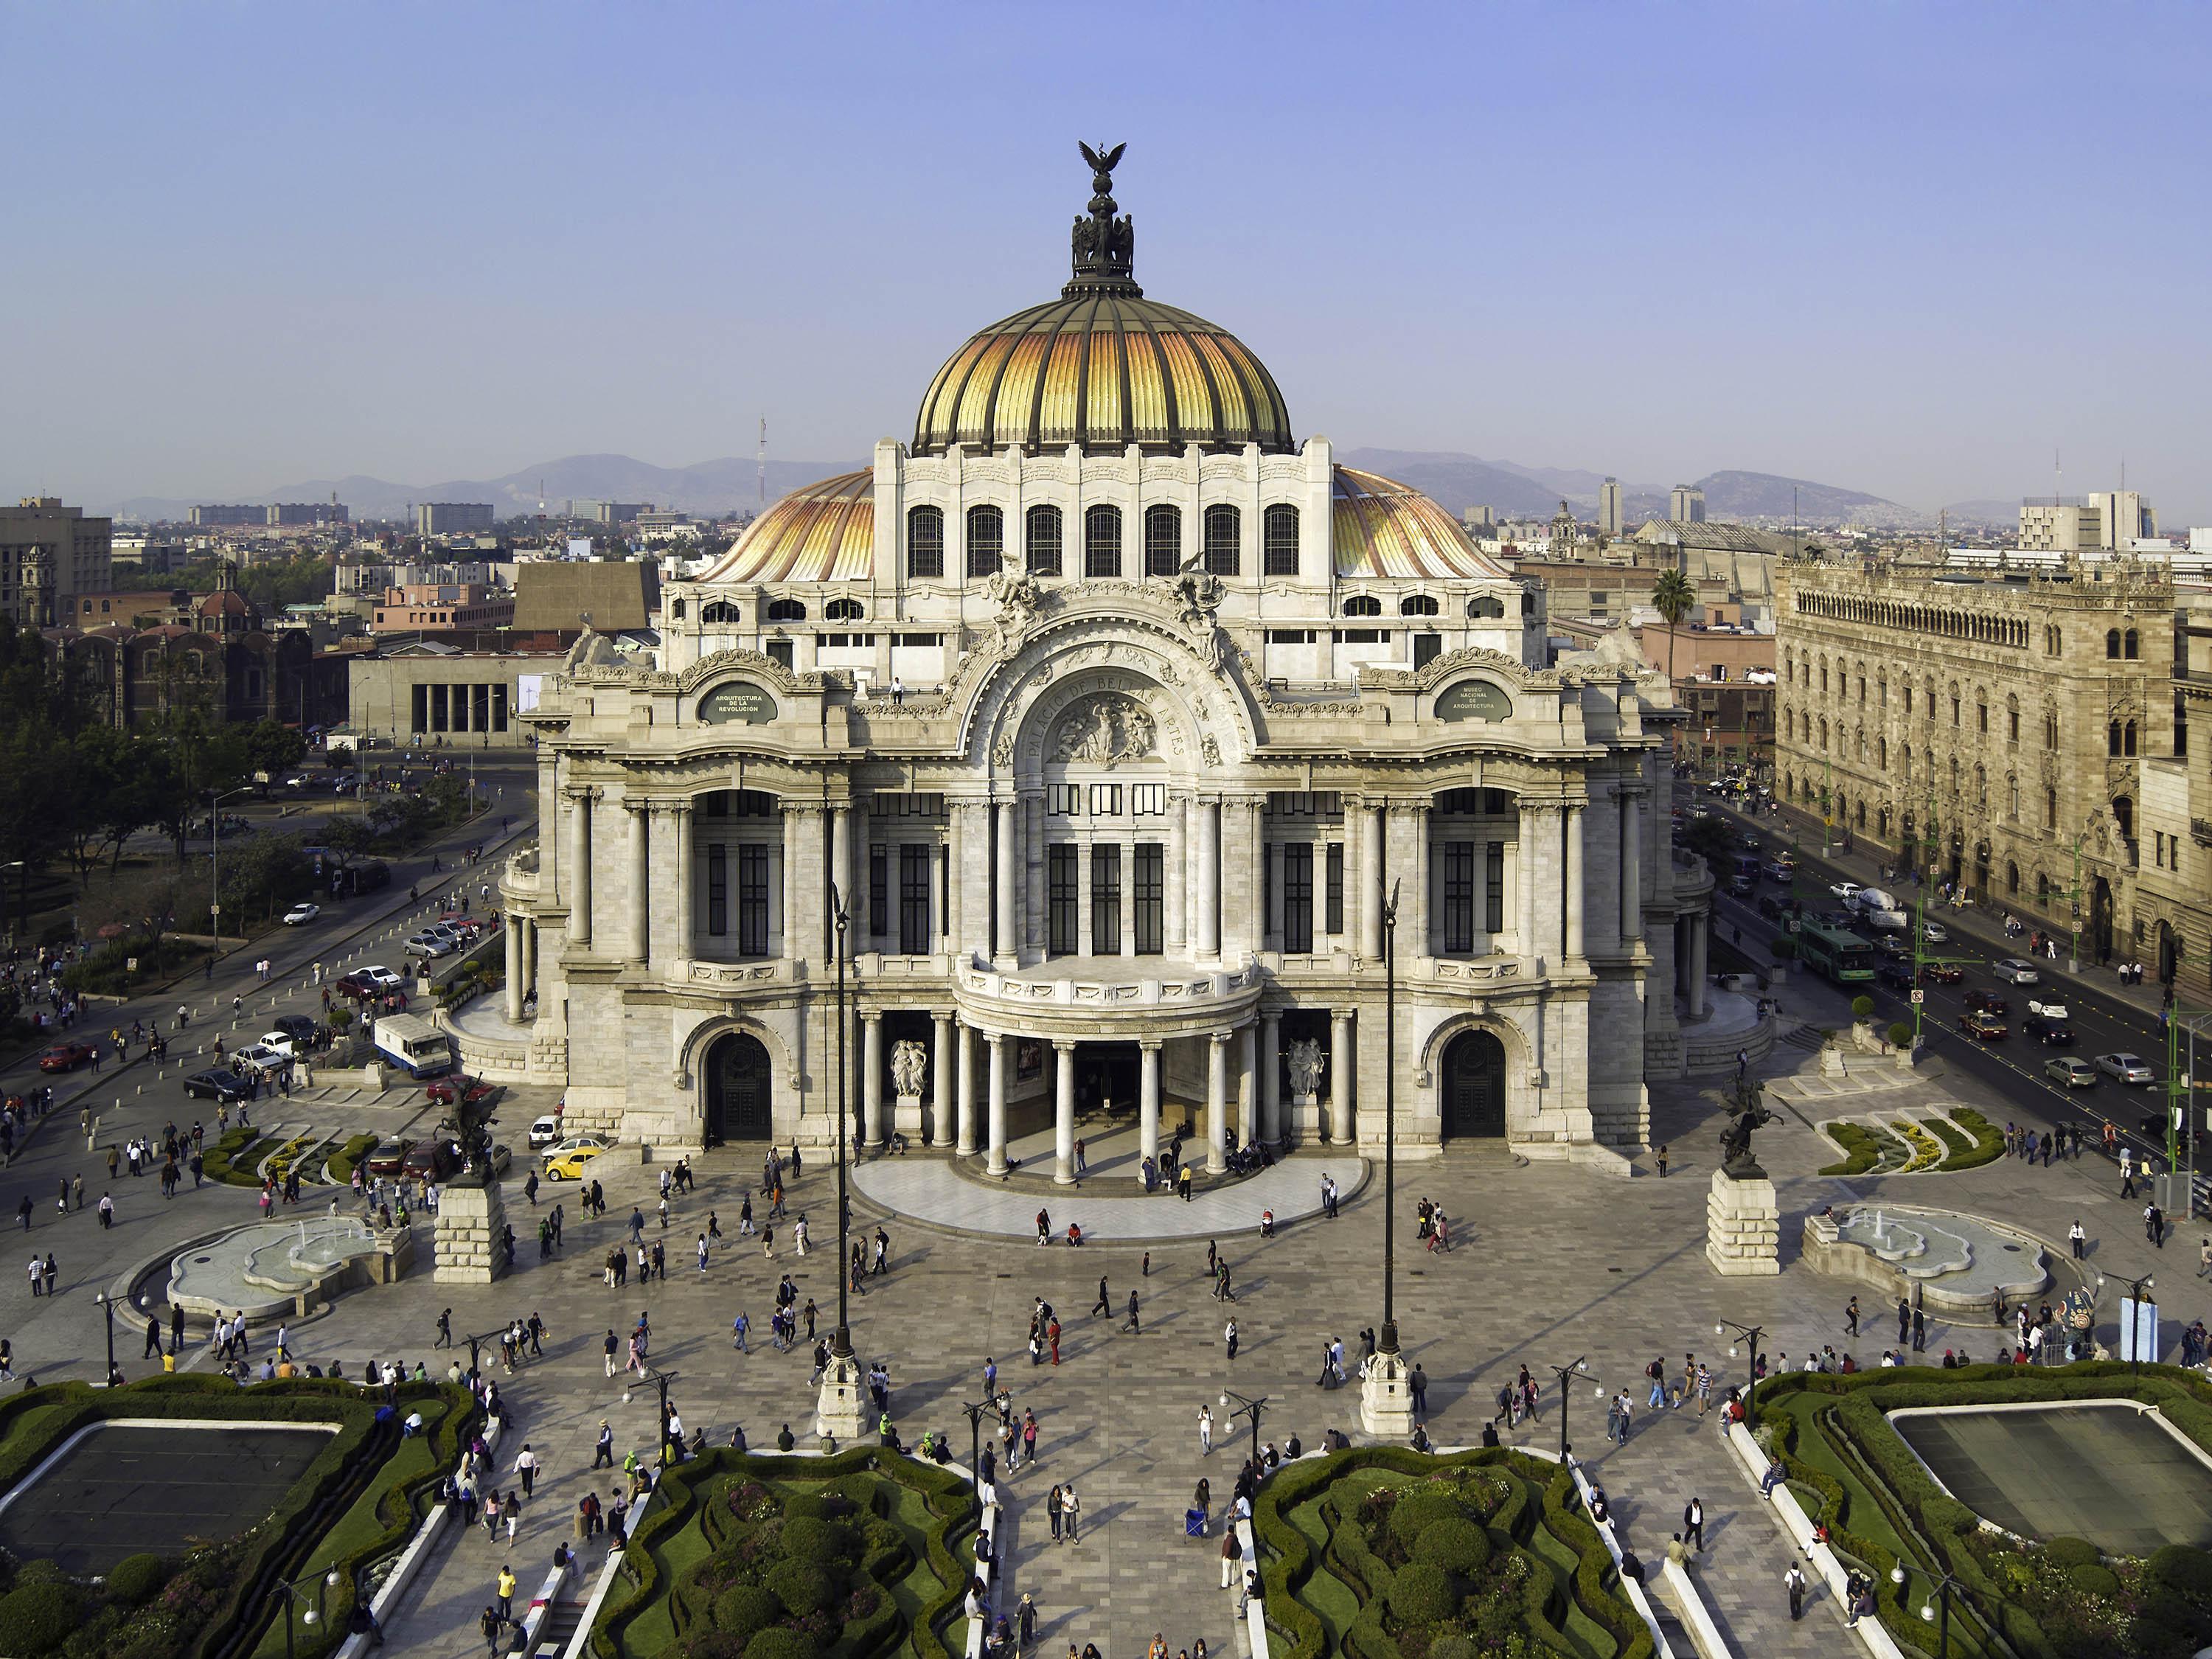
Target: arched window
[
  {"x": 1102, "y": 542},
  {"x": 2128, "y": 645},
  {"x": 2124, "y": 814},
  {"x": 1162, "y": 540},
  {"x": 2012, "y": 879},
  {"x": 2042, "y": 891},
  {"x": 1417, "y": 604},
  {"x": 2180, "y": 726},
  {"x": 2112, "y": 738},
  {"x": 2128, "y": 739},
  {"x": 1981, "y": 789},
  {"x": 2112, "y": 643},
  {"x": 676, "y": 611},
  {"x": 1881, "y": 753},
  {"x": 785, "y": 611},
  {"x": 1278, "y": 540},
  {"x": 986, "y": 539},
  {"x": 2050, "y": 809},
  {"x": 2012, "y": 796},
  {"x": 2012, "y": 719},
  {"x": 2051, "y": 731},
  {"x": 1486, "y": 606},
  {"x": 1981, "y": 714},
  {"x": 721, "y": 613},
  {"x": 1224, "y": 528},
  {"x": 1044, "y": 541},
  {"x": 1362, "y": 604},
  {"x": 842, "y": 610},
  {"x": 925, "y": 543}
]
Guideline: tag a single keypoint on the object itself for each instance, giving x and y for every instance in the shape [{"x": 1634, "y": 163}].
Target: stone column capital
[
  {"x": 1064, "y": 1045},
  {"x": 1150, "y": 1045},
  {"x": 1220, "y": 1039}
]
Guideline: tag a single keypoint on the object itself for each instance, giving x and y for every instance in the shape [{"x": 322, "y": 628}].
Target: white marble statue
[
  {"x": 909, "y": 1067},
  {"x": 1305, "y": 1067}
]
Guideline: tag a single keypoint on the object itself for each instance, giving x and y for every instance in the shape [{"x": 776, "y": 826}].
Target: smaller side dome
[
  {"x": 1382, "y": 529},
  {"x": 824, "y": 533}
]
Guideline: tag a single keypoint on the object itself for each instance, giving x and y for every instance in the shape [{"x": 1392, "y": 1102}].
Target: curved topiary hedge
[{"x": 37, "y": 1619}]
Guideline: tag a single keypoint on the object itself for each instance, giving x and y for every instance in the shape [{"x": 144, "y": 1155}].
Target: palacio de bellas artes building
[{"x": 1115, "y": 712}]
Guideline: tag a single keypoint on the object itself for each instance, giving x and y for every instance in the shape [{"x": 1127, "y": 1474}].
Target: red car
[
  {"x": 1987, "y": 1028},
  {"x": 469, "y": 924},
  {"x": 1943, "y": 973},
  {"x": 472, "y": 1090},
  {"x": 65, "y": 1057},
  {"x": 1986, "y": 1002}
]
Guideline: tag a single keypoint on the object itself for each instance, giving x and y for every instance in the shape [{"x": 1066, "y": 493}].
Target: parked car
[
  {"x": 472, "y": 1090},
  {"x": 216, "y": 1084},
  {"x": 1893, "y": 947},
  {"x": 1895, "y": 976},
  {"x": 2126, "y": 1068},
  {"x": 260, "y": 1057},
  {"x": 566, "y": 1160},
  {"x": 381, "y": 978},
  {"x": 1986, "y": 1002},
  {"x": 2070, "y": 1072},
  {"x": 65, "y": 1057},
  {"x": 2049, "y": 1032},
  {"x": 305, "y": 911},
  {"x": 302, "y": 1029},
  {"x": 278, "y": 1043},
  {"x": 1986, "y": 1027},
  {"x": 387, "y": 1157},
  {"x": 544, "y": 1131},
  {"x": 2015, "y": 971},
  {"x": 430, "y": 1160}
]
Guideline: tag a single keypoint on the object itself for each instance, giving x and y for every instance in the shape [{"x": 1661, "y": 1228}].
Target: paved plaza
[{"x": 1550, "y": 1263}]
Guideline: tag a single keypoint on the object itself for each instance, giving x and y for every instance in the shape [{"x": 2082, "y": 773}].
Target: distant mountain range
[{"x": 1457, "y": 481}]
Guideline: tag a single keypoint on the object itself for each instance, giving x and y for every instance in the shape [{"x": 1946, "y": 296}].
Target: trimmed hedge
[
  {"x": 1862, "y": 1148},
  {"x": 1989, "y": 1140}
]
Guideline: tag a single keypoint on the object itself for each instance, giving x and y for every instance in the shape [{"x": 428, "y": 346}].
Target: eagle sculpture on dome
[
  {"x": 1105, "y": 246},
  {"x": 1102, "y": 166}
]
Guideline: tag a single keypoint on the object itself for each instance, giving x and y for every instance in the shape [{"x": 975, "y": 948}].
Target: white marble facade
[{"x": 1114, "y": 834}]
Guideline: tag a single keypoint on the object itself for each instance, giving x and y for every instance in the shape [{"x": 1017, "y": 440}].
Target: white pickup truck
[
  {"x": 2047, "y": 1010},
  {"x": 1880, "y": 909}
]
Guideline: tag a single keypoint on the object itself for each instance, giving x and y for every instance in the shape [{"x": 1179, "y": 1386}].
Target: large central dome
[{"x": 1102, "y": 367}]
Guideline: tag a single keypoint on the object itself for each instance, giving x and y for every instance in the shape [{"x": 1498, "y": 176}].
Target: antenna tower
[{"x": 760, "y": 473}]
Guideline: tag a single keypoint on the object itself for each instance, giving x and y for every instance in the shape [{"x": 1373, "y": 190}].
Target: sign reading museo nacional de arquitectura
[{"x": 1112, "y": 713}]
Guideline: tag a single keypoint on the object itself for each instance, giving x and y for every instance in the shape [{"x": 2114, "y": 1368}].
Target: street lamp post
[
  {"x": 1937, "y": 1611},
  {"x": 107, "y": 1306},
  {"x": 295, "y": 1591},
  {"x": 975, "y": 1410},
  {"x": 215, "y": 868},
  {"x": 1245, "y": 1408},
  {"x": 1750, "y": 1335},
  {"x": 838, "y": 1409},
  {"x": 1386, "y": 1407},
  {"x": 1565, "y": 1374}
]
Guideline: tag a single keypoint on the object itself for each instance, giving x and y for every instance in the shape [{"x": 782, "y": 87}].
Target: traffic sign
[{"x": 1919, "y": 997}]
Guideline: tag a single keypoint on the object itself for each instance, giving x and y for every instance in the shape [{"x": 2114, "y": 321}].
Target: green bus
[{"x": 1844, "y": 958}]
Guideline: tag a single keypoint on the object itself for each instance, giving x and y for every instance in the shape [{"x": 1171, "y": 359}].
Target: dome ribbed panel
[
  {"x": 824, "y": 533},
  {"x": 1380, "y": 528}
]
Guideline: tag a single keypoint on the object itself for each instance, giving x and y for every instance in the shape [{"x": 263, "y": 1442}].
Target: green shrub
[
  {"x": 1458, "y": 1545},
  {"x": 2094, "y": 1582},
  {"x": 2185, "y": 1570},
  {"x": 137, "y": 1579},
  {"x": 36, "y": 1619},
  {"x": 804, "y": 1587},
  {"x": 1422, "y": 1595},
  {"x": 780, "y": 1643},
  {"x": 2073, "y": 1552},
  {"x": 1989, "y": 1141},
  {"x": 712, "y": 1644},
  {"x": 803, "y": 1503},
  {"x": 744, "y": 1610},
  {"x": 1863, "y": 1008},
  {"x": 1900, "y": 1034},
  {"x": 809, "y": 1537},
  {"x": 1416, "y": 1512},
  {"x": 1453, "y": 1645}
]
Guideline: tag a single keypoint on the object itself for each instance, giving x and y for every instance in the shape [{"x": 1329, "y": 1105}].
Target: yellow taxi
[{"x": 566, "y": 1160}]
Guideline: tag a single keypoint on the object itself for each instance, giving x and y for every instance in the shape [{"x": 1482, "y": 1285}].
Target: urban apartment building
[
  {"x": 451, "y": 518},
  {"x": 1686, "y": 504},
  {"x": 2113, "y": 519},
  {"x": 442, "y": 607},
  {"x": 49, "y": 554},
  {"x": 2034, "y": 728}
]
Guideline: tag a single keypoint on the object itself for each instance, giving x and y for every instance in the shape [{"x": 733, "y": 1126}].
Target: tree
[
  {"x": 271, "y": 746},
  {"x": 1672, "y": 596}
]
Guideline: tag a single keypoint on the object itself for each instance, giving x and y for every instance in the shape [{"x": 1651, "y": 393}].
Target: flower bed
[
  {"x": 356, "y": 1503},
  {"x": 2056, "y": 1600},
  {"x": 1382, "y": 1554},
  {"x": 857, "y": 1556}
]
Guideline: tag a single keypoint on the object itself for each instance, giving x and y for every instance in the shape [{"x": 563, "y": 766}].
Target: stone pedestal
[
  {"x": 906, "y": 1118},
  {"x": 1386, "y": 1398},
  {"x": 471, "y": 1221},
  {"x": 1305, "y": 1120},
  {"x": 842, "y": 1409},
  {"x": 1831, "y": 1062},
  {"x": 1743, "y": 1227}
]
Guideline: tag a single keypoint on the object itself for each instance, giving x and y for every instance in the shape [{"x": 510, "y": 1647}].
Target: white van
[{"x": 416, "y": 1046}]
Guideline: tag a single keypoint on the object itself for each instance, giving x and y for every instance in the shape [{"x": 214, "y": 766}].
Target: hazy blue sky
[{"x": 1903, "y": 248}]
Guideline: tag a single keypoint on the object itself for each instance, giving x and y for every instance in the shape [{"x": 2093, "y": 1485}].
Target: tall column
[
  {"x": 793, "y": 911},
  {"x": 1372, "y": 820},
  {"x": 579, "y": 880},
  {"x": 1339, "y": 1077},
  {"x": 998, "y": 1044},
  {"x": 641, "y": 881},
  {"x": 872, "y": 1079},
  {"x": 1572, "y": 861},
  {"x": 1177, "y": 927},
  {"x": 1206, "y": 888},
  {"x": 1701, "y": 924},
  {"x": 940, "y": 1080},
  {"x": 529, "y": 956},
  {"x": 1030, "y": 815},
  {"x": 965, "y": 1057},
  {"x": 862, "y": 934},
  {"x": 1271, "y": 1078},
  {"x": 1148, "y": 1105},
  {"x": 840, "y": 872},
  {"x": 1247, "y": 1084},
  {"x": 513, "y": 928},
  {"x": 1217, "y": 1103},
  {"x": 680, "y": 827},
  {"x": 1528, "y": 863},
  {"x": 1128, "y": 898},
  {"x": 1413, "y": 895},
  {"x": 1004, "y": 949},
  {"x": 550, "y": 829},
  {"x": 956, "y": 819},
  {"x": 1082, "y": 898},
  {"x": 1063, "y": 1112},
  {"x": 1632, "y": 871}
]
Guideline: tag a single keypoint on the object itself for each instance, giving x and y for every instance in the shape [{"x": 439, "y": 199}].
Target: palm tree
[{"x": 1672, "y": 596}]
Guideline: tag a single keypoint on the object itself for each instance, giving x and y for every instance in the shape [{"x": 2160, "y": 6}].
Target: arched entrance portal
[
  {"x": 738, "y": 1102},
  {"x": 1475, "y": 1087},
  {"x": 2100, "y": 920},
  {"x": 2169, "y": 954}
]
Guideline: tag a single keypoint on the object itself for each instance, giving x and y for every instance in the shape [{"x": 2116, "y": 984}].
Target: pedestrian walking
[
  {"x": 1694, "y": 1523},
  {"x": 1794, "y": 1582},
  {"x": 1052, "y": 1509},
  {"x": 1206, "y": 1431},
  {"x": 1071, "y": 1513},
  {"x": 1661, "y": 1158},
  {"x": 1851, "y": 1317},
  {"x": 1132, "y": 1326},
  {"x": 1229, "y": 1338},
  {"x": 1103, "y": 1304},
  {"x": 2079, "y": 1240}
]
